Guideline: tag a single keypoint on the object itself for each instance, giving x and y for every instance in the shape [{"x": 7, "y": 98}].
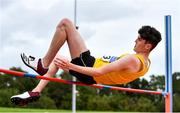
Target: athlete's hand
[{"x": 62, "y": 63}]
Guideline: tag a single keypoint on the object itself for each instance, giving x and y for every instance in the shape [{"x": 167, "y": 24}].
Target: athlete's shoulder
[{"x": 133, "y": 58}]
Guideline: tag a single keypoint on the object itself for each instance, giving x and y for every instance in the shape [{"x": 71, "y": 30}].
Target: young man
[{"x": 86, "y": 68}]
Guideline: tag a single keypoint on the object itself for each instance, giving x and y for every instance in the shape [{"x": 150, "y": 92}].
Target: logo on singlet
[{"x": 109, "y": 58}]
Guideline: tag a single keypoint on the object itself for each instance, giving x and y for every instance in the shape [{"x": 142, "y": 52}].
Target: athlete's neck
[{"x": 144, "y": 54}]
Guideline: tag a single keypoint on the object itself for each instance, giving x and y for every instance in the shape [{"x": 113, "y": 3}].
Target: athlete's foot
[
  {"x": 33, "y": 63},
  {"x": 25, "y": 98}
]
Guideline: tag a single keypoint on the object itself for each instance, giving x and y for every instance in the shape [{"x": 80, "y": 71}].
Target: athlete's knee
[{"x": 65, "y": 22}]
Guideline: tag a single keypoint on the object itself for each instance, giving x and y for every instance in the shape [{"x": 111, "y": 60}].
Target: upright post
[
  {"x": 74, "y": 79},
  {"x": 168, "y": 54}
]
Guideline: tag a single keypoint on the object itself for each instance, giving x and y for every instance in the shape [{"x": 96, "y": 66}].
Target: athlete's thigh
[{"x": 75, "y": 42}]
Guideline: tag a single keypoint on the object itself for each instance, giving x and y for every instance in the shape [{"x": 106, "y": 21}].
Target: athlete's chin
[{"x": 134, "y": 49}]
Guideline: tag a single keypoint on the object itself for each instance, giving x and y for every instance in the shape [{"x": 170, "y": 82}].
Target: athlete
[{"x": 86, "y": 68}]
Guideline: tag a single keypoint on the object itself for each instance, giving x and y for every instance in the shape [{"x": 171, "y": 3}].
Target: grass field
[{"x": 26, "y": 110}]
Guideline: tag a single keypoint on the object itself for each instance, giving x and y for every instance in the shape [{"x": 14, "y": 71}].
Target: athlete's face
[{"x": 141, "y": 45}]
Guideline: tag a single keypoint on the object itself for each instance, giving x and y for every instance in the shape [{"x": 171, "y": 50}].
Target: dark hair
[{"x": 151, "y": 35}]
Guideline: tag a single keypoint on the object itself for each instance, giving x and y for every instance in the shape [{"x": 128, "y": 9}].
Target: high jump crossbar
[{"x": 22, "y": 74}]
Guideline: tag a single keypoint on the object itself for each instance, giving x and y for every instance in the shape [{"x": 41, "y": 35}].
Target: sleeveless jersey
[{"x": 119, "y": 77}]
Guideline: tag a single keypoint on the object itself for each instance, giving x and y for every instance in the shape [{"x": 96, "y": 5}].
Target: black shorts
[{"x": 85, "y": 59}]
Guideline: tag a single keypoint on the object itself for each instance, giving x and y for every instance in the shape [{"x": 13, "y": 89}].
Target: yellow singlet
[{"x": 119, "y": 77}]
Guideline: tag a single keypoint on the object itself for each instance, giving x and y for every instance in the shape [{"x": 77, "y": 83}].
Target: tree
[{"x": 176, "y": 91}]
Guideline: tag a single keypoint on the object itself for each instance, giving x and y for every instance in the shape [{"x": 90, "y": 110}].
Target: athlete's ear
[{"x": 148, "y": 46}]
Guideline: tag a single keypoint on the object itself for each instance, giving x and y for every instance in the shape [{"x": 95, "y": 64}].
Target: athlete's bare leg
[
  {"x": 42, "y": 84},
  {"x": 65, "y": 31},
  {"x": 51, "y": 72},
  {"x": 31, "y": 96}
]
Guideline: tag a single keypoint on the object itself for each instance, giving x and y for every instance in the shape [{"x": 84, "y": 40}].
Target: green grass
[
  {"x": 28, "y": 110},
  {"x": 4, "y": 109}
]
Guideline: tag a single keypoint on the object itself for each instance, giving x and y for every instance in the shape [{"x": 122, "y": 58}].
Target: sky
[{"x": 109, "y": 27}]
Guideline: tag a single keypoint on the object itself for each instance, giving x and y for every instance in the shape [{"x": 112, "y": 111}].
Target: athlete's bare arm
[{"x": 128, "y": 63}]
